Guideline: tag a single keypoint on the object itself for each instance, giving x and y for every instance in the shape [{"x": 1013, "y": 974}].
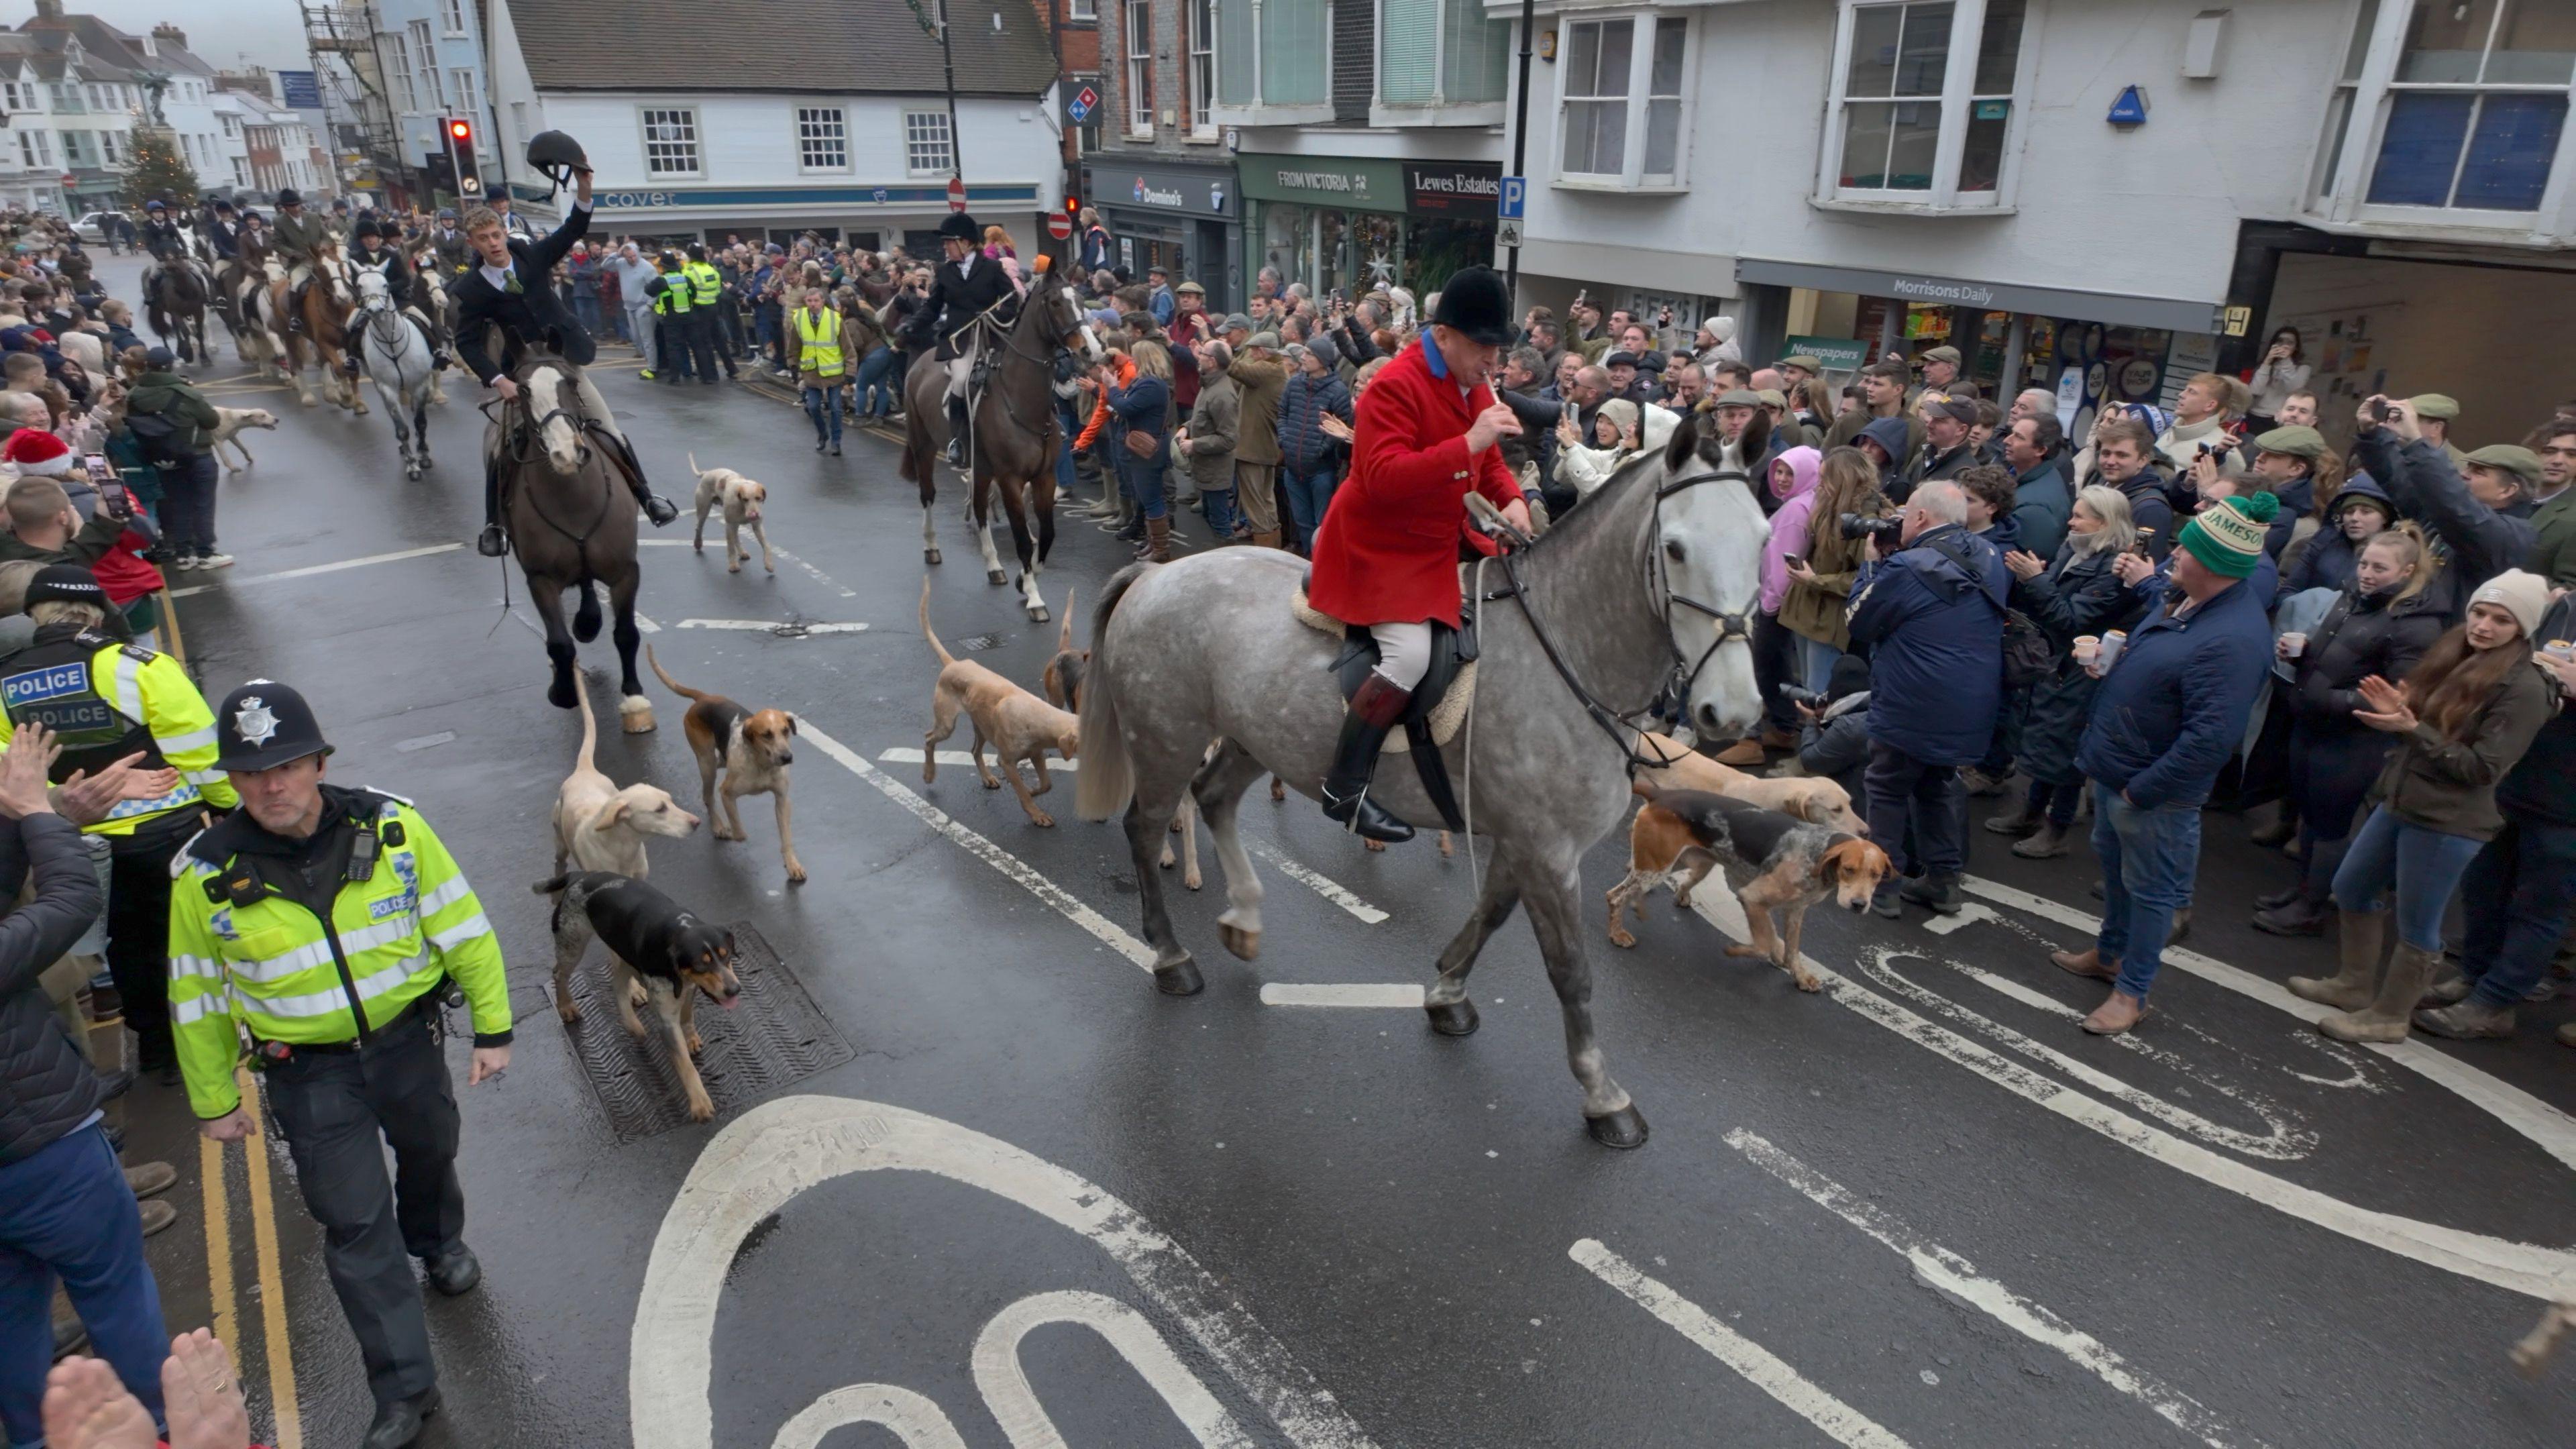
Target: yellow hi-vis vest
[
  {"x": 708, "y": 281},
  {"x": 820, "y": 332},
  {"x": 674, "y": 298},
  {"x": 105, "y": 700},
  {"x": 286, "y": 975}
]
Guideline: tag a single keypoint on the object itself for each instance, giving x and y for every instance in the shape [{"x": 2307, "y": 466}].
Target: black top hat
[{"x": 1474, "y": 301}]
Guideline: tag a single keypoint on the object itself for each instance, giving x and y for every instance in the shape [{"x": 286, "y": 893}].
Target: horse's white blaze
[
  {"x": 563, "y": 443},
  {"x": 1718, "y": 531}
]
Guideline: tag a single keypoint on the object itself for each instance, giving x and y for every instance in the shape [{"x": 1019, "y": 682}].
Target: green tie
[{"x": 514, "y": 289}]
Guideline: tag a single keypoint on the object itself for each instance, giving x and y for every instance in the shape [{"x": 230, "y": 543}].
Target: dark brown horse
[
  {"x": 328, "y": 302},
  {"x": 572, "y": 525},
  {"x": 1016, "y": 434}
]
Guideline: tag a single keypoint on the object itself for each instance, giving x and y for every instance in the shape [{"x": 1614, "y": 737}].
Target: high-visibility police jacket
[
  {"x": 104, "y": 700},
  {"x": 707, "y": 280},
  {"x": 247, "y": 956},
  {"x": 819, "y": 336},
  {"x": 672, "y": 298}
]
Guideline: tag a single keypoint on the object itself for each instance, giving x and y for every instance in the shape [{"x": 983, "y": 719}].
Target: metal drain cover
[
  {"x": 773, "y": 1038},
  {"x": 975, "y": 643}
]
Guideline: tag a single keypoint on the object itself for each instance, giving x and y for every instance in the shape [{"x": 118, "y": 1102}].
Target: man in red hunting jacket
[{"x": 1387, "y": 553}]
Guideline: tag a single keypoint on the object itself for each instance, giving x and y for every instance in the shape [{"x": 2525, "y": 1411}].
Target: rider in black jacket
[{"x": 963, "y": 287}]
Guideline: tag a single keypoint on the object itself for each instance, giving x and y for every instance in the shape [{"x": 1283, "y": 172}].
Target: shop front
[
  {"x": 1187, "y": 219},
  {"x": 1353, "y": 223},
  {"x": 2086, "y": 347}
]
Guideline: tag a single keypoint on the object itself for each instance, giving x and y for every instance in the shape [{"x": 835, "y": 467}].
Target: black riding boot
[
  {"x": 656, "y": 507},
  {"x": 295, "y": 308},
  {"x": 1374, "y": 708},
  {"x": 493, "y": 542},
  {"x": 957, "y": 429}
]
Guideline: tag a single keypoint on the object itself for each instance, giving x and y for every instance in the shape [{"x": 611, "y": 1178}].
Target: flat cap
[
  {"x": 2297, "y": 441},
  {"x": 1956, "y": 409},
  {"x": 2512, "y": 457},
  {"x": 1263, "y": 339},
  {"x": 1189, "y": 289},
  {"x": 1738, "y": 397},
  {"x": 1801, "y": 359},
  {"x": 1237, "y": 322},
  {"x": 1946, "y": 354},
  {"x": 2440, "y": 407},
  {"x": 1621, "y": 358}
]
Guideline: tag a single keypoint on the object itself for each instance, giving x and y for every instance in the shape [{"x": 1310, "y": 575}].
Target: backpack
[
  {"x": 2028, "y": 656},
  {"x": 162, "y": 439}
]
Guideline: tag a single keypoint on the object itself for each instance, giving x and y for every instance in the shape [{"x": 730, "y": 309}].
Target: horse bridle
[{"x": 1734, "y": 624}]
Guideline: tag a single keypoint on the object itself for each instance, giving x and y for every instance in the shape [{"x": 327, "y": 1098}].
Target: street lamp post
[{"x": 1520, "y": 145}]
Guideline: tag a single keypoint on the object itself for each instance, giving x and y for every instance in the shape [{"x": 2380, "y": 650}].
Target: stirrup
[{"x": 493, "y": 542}]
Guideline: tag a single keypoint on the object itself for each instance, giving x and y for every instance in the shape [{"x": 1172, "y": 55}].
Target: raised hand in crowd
[
  {"x": 85, "y": 799},
  {"x": 22, "y": 772},
  {"x": 2133, "y": 568},
  {"x": 2024, "y": 564},
  {"x": 2399, "y": 416},
  {"x": 2389, "y": 712}
]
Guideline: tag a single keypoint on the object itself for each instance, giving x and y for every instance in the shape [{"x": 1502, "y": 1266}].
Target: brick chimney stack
[
  {"x": 49, "y": 9},
  {"x": 171, "y": 35}
]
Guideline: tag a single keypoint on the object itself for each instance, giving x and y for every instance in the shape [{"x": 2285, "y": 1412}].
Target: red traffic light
[{"x": 461, "y": 131}]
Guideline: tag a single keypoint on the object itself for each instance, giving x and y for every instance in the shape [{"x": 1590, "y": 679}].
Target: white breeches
[
  {"x": 959, "y": 369},
  {"x": 594, "y": 407},
  {"x": 1403, "y": 652}
]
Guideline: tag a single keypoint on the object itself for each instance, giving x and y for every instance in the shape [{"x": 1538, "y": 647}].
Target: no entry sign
[
  {"x": 956, "y": 193},
  {"x": 1060, "y": 226}
]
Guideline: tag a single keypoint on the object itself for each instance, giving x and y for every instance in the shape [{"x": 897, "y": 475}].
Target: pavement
[{"x": 1016, "y": 1194}]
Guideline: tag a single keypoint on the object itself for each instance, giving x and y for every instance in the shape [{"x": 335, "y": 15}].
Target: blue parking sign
[{"x": 1515, "y": 191}]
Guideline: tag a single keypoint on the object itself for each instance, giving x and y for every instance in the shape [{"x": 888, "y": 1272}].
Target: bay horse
[
  {"x": 572, "y": 525},
  {"x": 1016, "y": 434},
  {"x": 178, "y": 311},
  {"x": 1656, "y": 577},
  {"x": 328, "y": 303}
]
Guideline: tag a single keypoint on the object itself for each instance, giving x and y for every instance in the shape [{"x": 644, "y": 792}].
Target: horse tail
[
  {"x": 675, "y": 686},
  {"x": 1108, "y": 777},
  {"x": 945, "y": 658},
  {"x": 589, "y": 727}
]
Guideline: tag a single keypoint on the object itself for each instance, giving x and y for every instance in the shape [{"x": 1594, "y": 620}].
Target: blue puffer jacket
[
  {"x": 1931, "y": 619},
  {"x": 1143, "y": 406},
  {"x": 2173, "y": 707},
  {"x": 1304, "y": 446}
]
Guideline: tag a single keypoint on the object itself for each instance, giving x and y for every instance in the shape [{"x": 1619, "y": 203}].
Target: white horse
[{"x": 397, "y": 359}]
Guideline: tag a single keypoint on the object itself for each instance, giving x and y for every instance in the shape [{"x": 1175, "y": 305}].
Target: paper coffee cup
[
  {"x": 2559, "y": 649},
  {"x": 2293, "y": 645},
  {"x": 2086, "y": 646}
]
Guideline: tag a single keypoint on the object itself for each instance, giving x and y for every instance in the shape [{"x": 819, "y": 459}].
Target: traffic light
[{"x": 460, "y": 151}]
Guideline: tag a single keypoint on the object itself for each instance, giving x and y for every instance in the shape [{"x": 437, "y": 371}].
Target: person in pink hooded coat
[{"x": 1793, "y": 483}]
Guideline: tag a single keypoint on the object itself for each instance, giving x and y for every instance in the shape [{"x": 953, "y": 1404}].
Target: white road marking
[
  {"x": 901, "y": 756},
  {"x": 2546, "y": 1273},
  {"x": 1942, "y": 1269},
  {"x": 761, "y": 1162},
  {"x": 1287, "y": 993},
  {"x": 1019, "y": 871},
  {"x": 1760, "y": 1367},
  {"x": 643, "y": 625},
  {"x": 915, "y": 1420},
  {"x": 784, "y": 630},
  {"x": 820, "y": 577},
  {"x": 1968, "y": 914},
  {"x": 1321, "y": 884},
  {"x": 310, "y": 570},
  {"x": 2552, "y": 1129},
  {"x": 1014, "y": 1402}
]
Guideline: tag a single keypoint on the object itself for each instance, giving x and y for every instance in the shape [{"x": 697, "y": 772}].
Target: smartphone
[
  {"x": 2380, "y": 411},
  {"x": 1793, "y": 561},
  {"x": 101, "y": 472},
  {"x": 2145, "y": 546}
]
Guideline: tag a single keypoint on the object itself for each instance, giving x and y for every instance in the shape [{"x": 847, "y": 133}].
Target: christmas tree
[{"x": 158, "y": 171}]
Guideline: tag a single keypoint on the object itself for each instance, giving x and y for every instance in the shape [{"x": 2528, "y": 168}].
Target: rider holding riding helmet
[
  {"x": 1386, "y": 555},
  {"x": 509, "y": 290}
]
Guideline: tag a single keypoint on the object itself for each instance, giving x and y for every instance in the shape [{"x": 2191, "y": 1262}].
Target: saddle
[{"x": 1441, "y": 700}]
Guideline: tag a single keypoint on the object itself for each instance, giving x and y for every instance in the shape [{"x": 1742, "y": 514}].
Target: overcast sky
[{"x": 224, "y": 33}]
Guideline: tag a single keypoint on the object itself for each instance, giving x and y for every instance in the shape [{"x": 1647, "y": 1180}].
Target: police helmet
[
  {"x": 556, "y": 155},
  {"x": 264, "y": 724},
  {"x": 289, "y": 196},
  {"x": 958, "y": 226},
  {"x": 697, "y": 251}
]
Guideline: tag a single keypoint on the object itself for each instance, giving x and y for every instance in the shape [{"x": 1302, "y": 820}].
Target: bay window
[
  {"x": 1440, "y": 53},
  {"x": 2453, "y": 112},
  {"x": 1621, "y": 103},
  {"x": 1925, "y": 94},
  {"x": 1273, "y": 67}
]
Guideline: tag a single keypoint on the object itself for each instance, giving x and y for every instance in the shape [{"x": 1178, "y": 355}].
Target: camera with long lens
[
  {"x": 1870, "y": 525},
  {"x": 1796, "y": 695}
]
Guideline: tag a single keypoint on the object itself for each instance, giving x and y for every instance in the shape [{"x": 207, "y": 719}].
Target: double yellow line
[{"x": 226, "y": 1311}]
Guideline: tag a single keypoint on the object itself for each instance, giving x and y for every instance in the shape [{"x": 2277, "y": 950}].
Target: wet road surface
[{"x": 1023, "y": 1190}]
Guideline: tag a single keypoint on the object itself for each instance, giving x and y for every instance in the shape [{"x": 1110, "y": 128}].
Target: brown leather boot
[
  {"x": 1743, "y": 752},
  {"x": 1158, "y": 541},
  {"x": 2118, "y": 1013},
  {"x": 1266, "y": 540},
  {"x": 2087, "y": 962},
  {"x": 2362, "y": 933}
]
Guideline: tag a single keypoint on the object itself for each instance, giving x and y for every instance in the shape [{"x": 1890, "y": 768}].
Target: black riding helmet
[
  {"x": 556, "y": 155},
  {"x": 289, "y": 196},
  {"x": 961, "y": 227},
  {"x": 370, "y": 229}
]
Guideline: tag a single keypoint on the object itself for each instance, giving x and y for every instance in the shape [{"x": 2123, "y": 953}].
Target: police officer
[
  {"x": 673, "y": 303},
  {"x": 325, "y": 925},
  {"x": 706, "y": 297},
  {"x": 105, "y": 699}
]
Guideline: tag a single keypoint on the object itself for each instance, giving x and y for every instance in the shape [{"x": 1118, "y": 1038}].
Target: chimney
[
  {"x": 49, "y": 9},
  {"x": 170, "y": 35}
]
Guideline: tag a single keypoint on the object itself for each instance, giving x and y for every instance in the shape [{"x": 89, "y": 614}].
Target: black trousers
[
  {"x": 701, "y": 329},
  {"x": 138, "y": 931},
  {"x": 338, "y": 1111},
  {"x": 1918, "y": 811},
  {"x": 670, "y": 347},
  {"x": 1776, "y": 662}
]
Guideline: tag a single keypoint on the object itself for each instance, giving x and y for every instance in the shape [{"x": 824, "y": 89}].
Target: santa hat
[{"x": 37, "y": 452}]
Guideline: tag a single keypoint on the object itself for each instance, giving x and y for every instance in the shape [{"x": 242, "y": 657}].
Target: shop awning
[{"x": 2165, "y": 314}]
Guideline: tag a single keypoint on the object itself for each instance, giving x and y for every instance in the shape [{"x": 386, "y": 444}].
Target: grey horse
[{"x": 1656, "y": 574}]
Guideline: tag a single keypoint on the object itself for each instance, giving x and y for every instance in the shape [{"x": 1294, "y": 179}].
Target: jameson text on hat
[{"x": 2227, "y": 538}]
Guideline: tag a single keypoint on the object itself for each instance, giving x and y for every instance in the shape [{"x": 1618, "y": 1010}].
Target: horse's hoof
[
  {"x": 635, "y": 714},
  {"x": 561, "y": 696},
  {"x": 1181, "y": 978},
  {"x": 1623, "y": 1129},
  {"x": 930, "y": 555},
  {"x": 1452, "y": 1018},
  {"x": 1038, "y": 615},
  {"x": 1246, "y": 945},
  {"x": 995, "y": 576}
]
